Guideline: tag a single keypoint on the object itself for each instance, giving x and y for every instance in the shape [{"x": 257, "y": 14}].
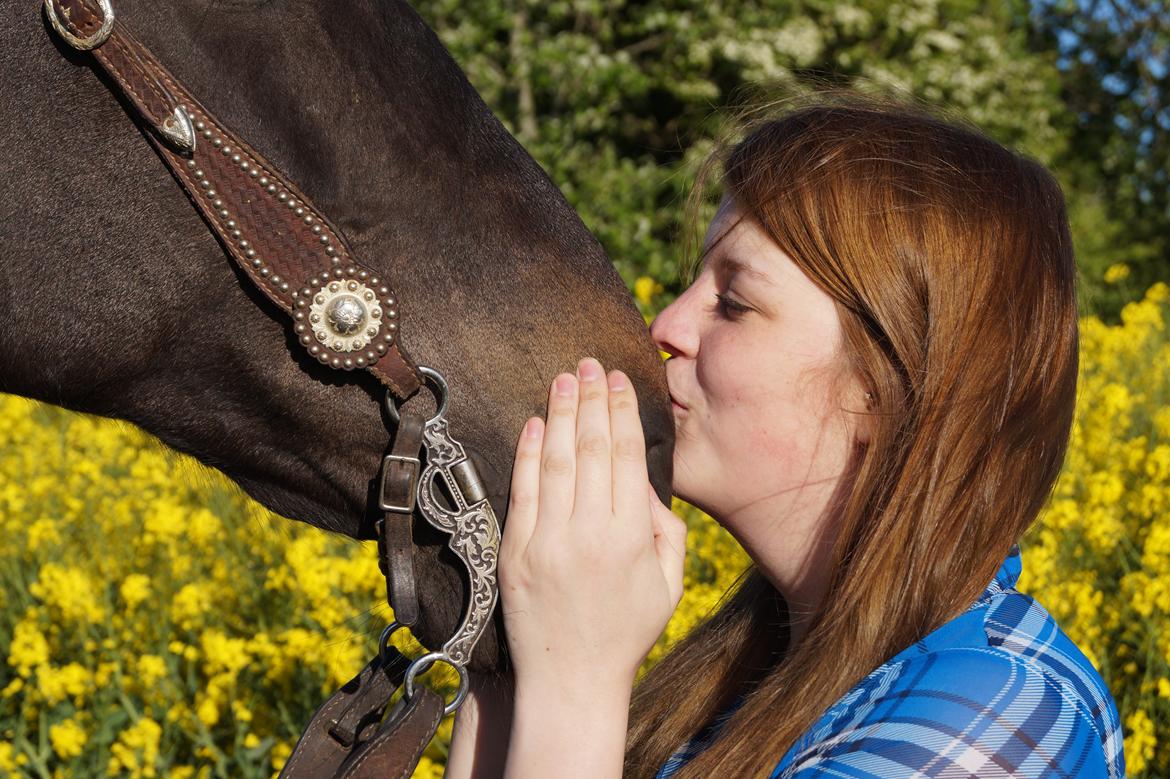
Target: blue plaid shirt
[{"x": 999, "y": 691}]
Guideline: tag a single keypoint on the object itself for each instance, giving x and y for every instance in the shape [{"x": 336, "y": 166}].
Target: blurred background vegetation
[
  {"x": 619, "y": 101},
  {"x": 154, "y": 621}
]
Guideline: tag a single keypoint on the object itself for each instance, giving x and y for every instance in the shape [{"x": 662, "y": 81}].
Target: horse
[{"x": 116, "y": 300}]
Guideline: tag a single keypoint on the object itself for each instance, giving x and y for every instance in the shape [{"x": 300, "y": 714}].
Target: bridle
[{"x": 346, "y": 316}]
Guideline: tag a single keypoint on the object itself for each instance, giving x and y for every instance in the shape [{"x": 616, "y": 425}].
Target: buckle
[
  {"x": 413, "y": 465},
  {"x": 90, "y": 41}
]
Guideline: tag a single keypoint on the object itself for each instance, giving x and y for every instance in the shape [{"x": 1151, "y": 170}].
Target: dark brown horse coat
[{"x": 115, "y": 298}]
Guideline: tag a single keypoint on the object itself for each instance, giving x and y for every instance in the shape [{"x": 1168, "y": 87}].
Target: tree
[
  {"x": 1114, "y": 59},
  {"x": 620, "y": 101}
]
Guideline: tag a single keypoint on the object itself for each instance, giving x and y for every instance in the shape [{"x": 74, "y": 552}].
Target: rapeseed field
[{"x": 154, "y": 621}]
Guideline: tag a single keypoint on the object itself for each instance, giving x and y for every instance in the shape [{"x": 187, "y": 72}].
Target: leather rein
[{"x": 346, "y": 316}]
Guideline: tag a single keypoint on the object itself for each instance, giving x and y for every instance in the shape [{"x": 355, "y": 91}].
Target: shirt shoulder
[{"x": 1000, "y": 690}]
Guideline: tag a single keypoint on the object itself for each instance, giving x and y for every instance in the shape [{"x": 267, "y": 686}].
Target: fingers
[
  {"x": 594, "y": 484},
  {"x": 670, "y": 544},
  {"x": 593, "y": 451},
  {"x": 525, "y": 490},
  {"x": 629, "y": 475},
  {"x": 558, "y": 460}
]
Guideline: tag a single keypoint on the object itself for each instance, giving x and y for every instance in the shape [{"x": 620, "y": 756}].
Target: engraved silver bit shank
[{"x": 474, "y": 529}]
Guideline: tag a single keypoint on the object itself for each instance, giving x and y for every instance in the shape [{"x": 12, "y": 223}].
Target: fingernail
[
  {"x": 564, "y": 385},
  {"x": 588, "y": 369},
  {"x": 617, "y": 381},
  {"x": 532, "y": 428}
]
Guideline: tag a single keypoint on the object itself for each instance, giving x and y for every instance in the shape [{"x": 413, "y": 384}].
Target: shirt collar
[{"x": 1007, "y": 575}]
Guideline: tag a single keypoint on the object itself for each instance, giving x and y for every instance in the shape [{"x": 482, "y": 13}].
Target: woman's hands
[
  {"x": 590, "y": 570},
  {"x": 591, "y": 562}
]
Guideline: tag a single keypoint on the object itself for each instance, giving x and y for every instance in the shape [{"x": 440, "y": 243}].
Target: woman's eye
[{"x": 729, "y": 308}]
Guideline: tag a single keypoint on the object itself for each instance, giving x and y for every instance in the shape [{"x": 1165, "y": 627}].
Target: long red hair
[{"x": 950, "y": 260}]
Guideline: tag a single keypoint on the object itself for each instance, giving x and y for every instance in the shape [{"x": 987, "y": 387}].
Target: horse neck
[{"x": 92, "y": 208}]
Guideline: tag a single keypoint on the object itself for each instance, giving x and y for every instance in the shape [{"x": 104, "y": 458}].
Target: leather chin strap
[
  {"x": 344, "y": 315},
  {"x": 347, "y": 737},
  {"x": 400, "y": 470}
]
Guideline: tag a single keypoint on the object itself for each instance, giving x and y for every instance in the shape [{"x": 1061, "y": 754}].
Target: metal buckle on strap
[
  {"x": 413, "y": 465},
  {"x": 89, "y": 41}
]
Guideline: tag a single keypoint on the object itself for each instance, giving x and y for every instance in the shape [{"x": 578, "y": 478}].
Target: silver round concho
[
  {"x": 342, "y": 321},
  {"x": 345, "y": 315}
]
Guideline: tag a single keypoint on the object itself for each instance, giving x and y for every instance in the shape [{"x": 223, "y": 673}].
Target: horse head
[{"x": 118, "y": 301}]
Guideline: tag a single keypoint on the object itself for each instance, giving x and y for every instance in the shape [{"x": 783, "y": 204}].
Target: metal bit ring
[
  {"x": 440, "y": 391},
  {"x": 384, "y": 641},
  {"x": 426, "y": 661}
]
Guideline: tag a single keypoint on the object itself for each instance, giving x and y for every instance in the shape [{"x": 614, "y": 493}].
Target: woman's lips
[{"x": 675, "y": 404}]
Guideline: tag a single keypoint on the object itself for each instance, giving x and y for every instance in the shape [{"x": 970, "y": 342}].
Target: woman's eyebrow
[{"x": 723, "y": 262}]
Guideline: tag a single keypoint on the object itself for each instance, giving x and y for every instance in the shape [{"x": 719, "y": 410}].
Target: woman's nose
[{"x": 675, "y": 329}]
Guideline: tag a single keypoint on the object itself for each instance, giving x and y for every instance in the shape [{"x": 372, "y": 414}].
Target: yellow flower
[
  {"x": 240, "y": 712},
  {"x": 1116, "y": 272},
  {"x": 43, "y": 533},
  {"x": 8, "y": 762},
  {"x": 191, "y": 604},
  {"x": 1159, "y": 292},
  {"x": 104, "y": 673},
  {"x": 136, "y": 750},
  {"x": 280, "y": 754},
  {"x": 203, "y": 527},
  {"x": 135, "y": 589},
  {"x": 645, "y": 288},
  {"x": 223, "y": 654},
  {"x": 57, "y": 684},
  {"x": 28, "y": 648},
  {"x": 1140, "y": 742},
  {"x": 68, "y": 739},
  {"x": 69, "y": 592},
  {"x": 1158, "y": 464},
  {"x": 208, "y": 711},
  {"x": 428, "y": 769},
  {"x": 151, "y": 669}
]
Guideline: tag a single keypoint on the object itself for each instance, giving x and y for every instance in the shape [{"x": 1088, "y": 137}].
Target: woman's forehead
[
  {"x": 739, "y": 245},
  {"x": 736, "y": 243}
]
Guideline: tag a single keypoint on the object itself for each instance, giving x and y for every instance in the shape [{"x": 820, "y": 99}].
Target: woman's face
[{"x": 760, "y": 434}]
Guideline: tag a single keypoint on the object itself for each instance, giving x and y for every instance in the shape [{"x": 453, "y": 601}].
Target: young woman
[{"x": 873, "y": 379}]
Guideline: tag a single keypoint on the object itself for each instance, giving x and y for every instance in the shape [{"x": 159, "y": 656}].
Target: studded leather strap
[{"x": 343, "y": 312}]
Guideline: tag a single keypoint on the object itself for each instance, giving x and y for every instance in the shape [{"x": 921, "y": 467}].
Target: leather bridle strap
[
  {"x": 396, "y": 498},
  {"x": 344, "y": 313},
  {"x": 346, "y": 317},
  {"x": 346, "y": 739}
]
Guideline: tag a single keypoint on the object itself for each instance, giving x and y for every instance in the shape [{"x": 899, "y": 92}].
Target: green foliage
[
  {"x": 1115, "y": 61},
  {"x": 620, "y": 101}
]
